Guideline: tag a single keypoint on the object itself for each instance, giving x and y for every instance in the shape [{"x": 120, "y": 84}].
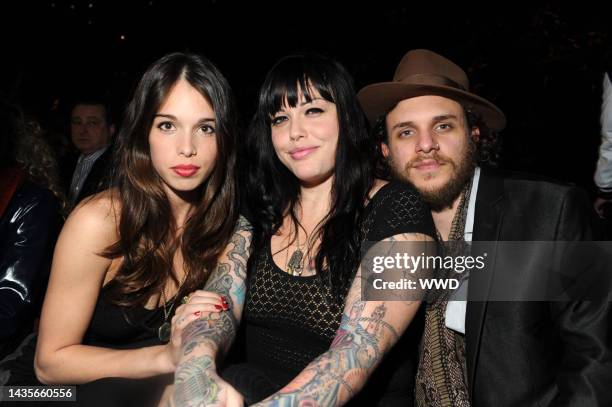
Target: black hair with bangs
[{"x": 273, "y": 191}]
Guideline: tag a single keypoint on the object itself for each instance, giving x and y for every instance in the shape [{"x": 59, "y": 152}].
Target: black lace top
[{"x": 290, "y": 320}]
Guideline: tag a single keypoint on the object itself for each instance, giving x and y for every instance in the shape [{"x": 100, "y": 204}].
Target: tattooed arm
[
  {"x": 204, "y": 340},
  {"x": 368, "y": 329}
]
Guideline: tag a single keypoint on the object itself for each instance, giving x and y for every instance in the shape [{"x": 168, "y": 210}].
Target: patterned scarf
[{"x": 441, "y": 379}]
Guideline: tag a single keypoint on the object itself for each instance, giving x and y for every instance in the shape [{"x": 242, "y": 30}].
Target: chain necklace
[
  {"x": 298, "y": 261},
  {"x": 164, "y": 331}
]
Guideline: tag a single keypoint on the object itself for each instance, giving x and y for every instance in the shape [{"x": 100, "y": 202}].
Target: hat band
[{"x": 428, "y": 79}]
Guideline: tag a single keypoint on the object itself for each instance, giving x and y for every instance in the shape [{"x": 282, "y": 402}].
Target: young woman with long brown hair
[{"x": 127, "y": 256}]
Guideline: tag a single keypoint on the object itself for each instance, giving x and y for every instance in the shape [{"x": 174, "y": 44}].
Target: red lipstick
[{"x": 185, "y": 170}]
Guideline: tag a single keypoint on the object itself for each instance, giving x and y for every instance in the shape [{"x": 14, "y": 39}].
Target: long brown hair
[{"x": 147, "y": 229}]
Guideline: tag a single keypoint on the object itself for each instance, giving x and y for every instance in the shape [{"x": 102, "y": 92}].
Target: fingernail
[
  {"x": 197, "y": 313},
  {"x": 218, "y": 307},
  {"x": 223, "y": 298}
]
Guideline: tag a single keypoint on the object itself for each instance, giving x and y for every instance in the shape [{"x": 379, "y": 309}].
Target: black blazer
[
  {"x": 98, "y": 178},
  {"x": 535, "y": 353}
]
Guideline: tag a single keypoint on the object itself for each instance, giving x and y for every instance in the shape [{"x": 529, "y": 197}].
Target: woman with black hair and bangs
[
  {"x": 129, "y": 256},
  {"x": 314, "y": 199}
]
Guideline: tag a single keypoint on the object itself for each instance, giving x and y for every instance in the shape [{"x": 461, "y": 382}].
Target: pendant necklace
[
  {"x": 164, "y": 331},
  {"x": 295, "y": 265}
]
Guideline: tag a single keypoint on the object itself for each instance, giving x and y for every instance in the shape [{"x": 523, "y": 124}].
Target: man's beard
[{"x": 461, "y": 173}]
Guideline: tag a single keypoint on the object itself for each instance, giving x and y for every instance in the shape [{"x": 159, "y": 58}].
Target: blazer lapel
[{"x": 487, "y": 225}]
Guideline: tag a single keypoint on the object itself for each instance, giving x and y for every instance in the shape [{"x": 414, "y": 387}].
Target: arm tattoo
[
  {"x": 190, "y": 347},
  {"x": 205, "y": 339},
  {"x": 218, "y": 330},
  {"x": 243, "y": 225},
  {"x": 338, "y": 374},
  {"x": 361, "y": 341},
  {"x": 193, "y": 384}
]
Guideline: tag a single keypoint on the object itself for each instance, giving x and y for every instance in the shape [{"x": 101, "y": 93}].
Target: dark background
[{"x": 542, "y": 64}]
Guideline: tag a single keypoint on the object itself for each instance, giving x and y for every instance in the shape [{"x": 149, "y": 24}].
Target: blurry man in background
[{"x": 91, "y": 131}]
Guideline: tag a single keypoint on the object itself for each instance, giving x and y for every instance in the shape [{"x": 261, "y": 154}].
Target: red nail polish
[
  {"x": 218, "y": 307},
  {"x": 197, "y": 313}
]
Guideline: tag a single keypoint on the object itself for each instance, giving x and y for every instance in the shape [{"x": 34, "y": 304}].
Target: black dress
[
  {"x": 290, "y": 320},
  {"x": 113, "y": 327}
]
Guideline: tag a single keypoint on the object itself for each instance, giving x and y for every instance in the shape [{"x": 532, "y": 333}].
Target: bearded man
[{"x": 436, "y": 134}]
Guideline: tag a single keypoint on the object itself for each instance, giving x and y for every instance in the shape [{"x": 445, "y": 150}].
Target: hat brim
[{"x": 380, "y": 98}]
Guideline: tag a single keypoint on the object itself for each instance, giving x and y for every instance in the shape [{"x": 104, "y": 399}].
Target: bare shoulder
[{"x": 98, "y": 216}]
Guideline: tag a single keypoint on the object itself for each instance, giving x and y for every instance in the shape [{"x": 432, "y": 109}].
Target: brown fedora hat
[{"x": 422, "y": 72}]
